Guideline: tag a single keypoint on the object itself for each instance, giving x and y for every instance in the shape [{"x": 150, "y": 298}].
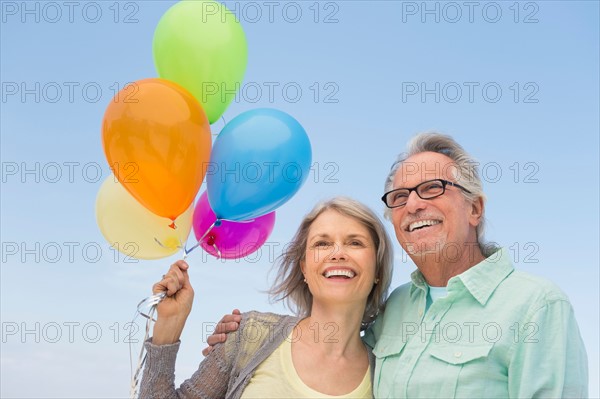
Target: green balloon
[{"x": 201, "y": 46}]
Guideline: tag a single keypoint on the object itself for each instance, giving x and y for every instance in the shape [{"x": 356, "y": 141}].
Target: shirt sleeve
[
  {"x": 210, "y": 381},
  {"x": 549, "y": 358}
]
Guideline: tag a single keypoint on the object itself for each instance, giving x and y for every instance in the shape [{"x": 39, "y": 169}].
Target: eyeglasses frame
[{"x": 410, "y": 190}]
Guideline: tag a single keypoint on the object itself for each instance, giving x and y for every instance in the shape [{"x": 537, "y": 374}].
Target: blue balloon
[{"x": 258, "y": 162}]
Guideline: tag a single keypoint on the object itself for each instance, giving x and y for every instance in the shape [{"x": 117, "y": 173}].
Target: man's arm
[
  {"x": 549, "y": 359},
  {"x": 229, "y": 323}
]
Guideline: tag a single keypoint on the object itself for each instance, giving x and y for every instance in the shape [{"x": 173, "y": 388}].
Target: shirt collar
[
  {"x": 480, "y": 280},
  {"x": 418, "y": 282}
]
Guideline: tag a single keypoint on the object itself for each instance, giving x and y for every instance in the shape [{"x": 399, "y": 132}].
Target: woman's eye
[
  {"x": 321, "y": 244},
  {"x": 356, "y": 243}
]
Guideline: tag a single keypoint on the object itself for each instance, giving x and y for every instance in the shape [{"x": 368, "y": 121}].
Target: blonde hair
[{"x": 289, "y": 282}]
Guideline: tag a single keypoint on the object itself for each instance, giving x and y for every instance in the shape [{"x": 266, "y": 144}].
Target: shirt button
[{"x": 457, "y": 354}]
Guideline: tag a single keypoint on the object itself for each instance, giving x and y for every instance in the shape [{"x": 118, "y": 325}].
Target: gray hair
[
  {"x": 466, "y": 173},
  {"x": 289, "y": 282}
]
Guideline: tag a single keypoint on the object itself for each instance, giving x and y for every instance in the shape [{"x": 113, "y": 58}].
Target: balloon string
[
  {"x": 217, "y": 249},
  {"x": 216, "y": 223},
  {"x": 238, "y": 221},
  {"x": 180, "y": 246},
  {"x": 151, "y": 302},
  {"x": 187, "y": 251}
]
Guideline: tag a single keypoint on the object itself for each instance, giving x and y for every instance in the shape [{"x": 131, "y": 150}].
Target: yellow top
[{"x": 276, "y": 377}]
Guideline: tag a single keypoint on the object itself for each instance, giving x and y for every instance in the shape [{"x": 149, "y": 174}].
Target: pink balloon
[{"x": 232, "y": 239}]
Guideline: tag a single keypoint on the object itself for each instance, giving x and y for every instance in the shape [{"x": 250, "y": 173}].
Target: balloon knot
[
  {"x": 172, "y": 225},
  {"x": 218, "y": 222},
  {"x": 211, "y": 240}
]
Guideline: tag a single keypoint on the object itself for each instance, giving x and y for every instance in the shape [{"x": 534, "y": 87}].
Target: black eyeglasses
[{"x": 427, "y": 190}]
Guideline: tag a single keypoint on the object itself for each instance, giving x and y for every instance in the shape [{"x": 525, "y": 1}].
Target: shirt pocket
[
  {"x": 452, "y": 360},
  {"x": 387, "y": 363}
]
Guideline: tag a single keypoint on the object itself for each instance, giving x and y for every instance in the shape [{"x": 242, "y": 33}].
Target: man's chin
[{"x": 423, "y": 249}]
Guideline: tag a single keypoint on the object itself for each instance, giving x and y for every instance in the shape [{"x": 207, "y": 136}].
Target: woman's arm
[
  {"x": 211, "y": 379},
  {"x": 175, "y": 308}
]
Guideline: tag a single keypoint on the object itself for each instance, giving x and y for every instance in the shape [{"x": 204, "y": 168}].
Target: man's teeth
[
  {"x": 421, "y": 223},
  {"x": 343, "y": 273}
]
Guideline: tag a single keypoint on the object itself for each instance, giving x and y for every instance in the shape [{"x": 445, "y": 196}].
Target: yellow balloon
[{"x": 133, "y": 229}]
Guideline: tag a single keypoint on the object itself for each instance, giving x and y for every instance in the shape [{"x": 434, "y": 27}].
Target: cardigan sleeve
[{"x": 210, "y": 381}]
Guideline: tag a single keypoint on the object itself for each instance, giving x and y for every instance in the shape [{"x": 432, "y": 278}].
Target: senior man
[{"x": 468, "y": 324}]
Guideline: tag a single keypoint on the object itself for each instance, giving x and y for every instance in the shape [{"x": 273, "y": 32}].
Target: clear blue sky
[{"x": 515, "y": 82}]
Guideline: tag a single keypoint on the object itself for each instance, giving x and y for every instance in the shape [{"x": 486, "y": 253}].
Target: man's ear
[{"x": 477, "y": 207}]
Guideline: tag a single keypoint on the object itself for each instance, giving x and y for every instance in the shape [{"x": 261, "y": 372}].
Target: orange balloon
[{"x": 156, "y": 139}]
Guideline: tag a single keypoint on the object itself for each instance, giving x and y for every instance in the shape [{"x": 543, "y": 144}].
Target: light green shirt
[
  {"x": 434, "y": 294},
  {"x": 498, "y": 333}
]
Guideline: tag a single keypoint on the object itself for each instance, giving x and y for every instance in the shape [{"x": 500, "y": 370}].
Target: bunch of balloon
[{"x": 156, "y": 132}]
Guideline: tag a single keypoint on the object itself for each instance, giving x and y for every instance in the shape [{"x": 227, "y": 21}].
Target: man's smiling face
[{"x": 429, "y": 226}]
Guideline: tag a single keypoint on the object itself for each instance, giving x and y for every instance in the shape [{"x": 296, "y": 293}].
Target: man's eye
[
  {"x": 433, "y": 187},
  {"x": 432, "y": 191},
  {"x": 399, "y": 196}
]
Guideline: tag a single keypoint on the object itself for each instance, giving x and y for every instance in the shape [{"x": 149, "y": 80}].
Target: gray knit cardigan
[{"x": 226, "y": 371}]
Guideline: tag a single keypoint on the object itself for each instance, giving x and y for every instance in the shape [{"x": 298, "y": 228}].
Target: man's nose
[{"x": 415, "y": 203}]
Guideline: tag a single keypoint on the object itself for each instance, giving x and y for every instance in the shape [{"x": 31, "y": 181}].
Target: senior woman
[{"x": 335, "y": 274}]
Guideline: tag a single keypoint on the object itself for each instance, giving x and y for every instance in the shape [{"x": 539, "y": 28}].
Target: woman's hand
[{"x": 174, "y": 309}]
